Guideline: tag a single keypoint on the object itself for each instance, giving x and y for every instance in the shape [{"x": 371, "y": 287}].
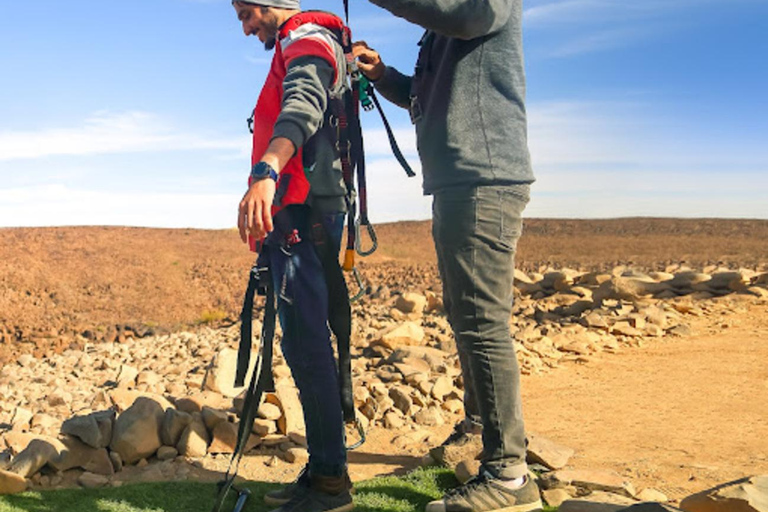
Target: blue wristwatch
[{"x": 262, "y": 171}]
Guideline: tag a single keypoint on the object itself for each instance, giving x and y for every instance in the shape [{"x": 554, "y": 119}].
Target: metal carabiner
[
  {"x": 360, "y": 285},
  {"x": 361, "y": 432},
  {"x": 359, "y": 243}
]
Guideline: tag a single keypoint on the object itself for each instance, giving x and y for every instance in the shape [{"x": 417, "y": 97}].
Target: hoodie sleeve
[
  {"x": 462, "y": 19},
  {"x": 304, "y": 98},
  {"x": 395, "y": 87}
]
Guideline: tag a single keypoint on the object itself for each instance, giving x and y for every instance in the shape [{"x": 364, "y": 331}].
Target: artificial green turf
[{"x": 409, "y": 493}]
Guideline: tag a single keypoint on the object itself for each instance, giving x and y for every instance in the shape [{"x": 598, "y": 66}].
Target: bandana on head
[{"x": 284, "y": 4}]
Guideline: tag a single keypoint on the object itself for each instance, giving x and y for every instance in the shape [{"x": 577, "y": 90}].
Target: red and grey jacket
[{"x": 308, "y": 67}]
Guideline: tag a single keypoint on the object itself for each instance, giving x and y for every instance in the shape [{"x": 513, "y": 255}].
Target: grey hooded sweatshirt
[{"x": 467, "y": 94}]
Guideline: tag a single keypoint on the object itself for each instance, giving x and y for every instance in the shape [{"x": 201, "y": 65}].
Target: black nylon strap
[
  {"x": 261, "y": 380},
  {"x": 339, "y": 310},
  {"x": 392, "y": 141}
]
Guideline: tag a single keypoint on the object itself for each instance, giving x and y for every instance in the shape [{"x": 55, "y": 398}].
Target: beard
[{"x": 270, "y": 43}]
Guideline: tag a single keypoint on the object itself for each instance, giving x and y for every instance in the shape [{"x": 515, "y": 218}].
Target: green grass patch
[{"x": 409, "y": 493}]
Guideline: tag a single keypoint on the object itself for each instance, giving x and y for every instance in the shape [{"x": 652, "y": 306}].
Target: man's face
[{"x": 257, "y": 21}]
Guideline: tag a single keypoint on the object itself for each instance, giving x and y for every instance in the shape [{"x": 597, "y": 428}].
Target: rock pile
[{"x": 164, "y": 400}]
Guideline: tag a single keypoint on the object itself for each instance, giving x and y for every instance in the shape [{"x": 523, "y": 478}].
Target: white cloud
[
  {"x": 591, "y": 159},
  {"x": 106, "y": 132},
  {"x": 59, "y": 205}
]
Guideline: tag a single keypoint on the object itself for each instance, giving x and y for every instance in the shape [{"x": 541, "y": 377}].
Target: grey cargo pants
[{"x": 475, "y": 230}]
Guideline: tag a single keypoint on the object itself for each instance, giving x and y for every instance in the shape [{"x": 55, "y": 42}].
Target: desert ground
[{"x": 669, "y": 393}]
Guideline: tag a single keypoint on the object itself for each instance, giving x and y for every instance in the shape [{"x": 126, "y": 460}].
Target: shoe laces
[{"x": 470, "y": 486}]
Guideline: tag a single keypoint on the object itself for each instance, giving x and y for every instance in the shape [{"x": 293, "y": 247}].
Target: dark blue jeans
[
  {"x": 475, "y": 230},
  {"x": 302, "y": 297}
]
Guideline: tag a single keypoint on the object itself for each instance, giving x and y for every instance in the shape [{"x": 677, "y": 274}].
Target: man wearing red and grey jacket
[{"x": 295, "y": 167}]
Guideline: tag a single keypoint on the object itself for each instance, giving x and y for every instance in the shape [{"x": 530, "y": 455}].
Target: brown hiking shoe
[
  {"x": 299, "y": 486},
  {"x": 324, "y": 494}
]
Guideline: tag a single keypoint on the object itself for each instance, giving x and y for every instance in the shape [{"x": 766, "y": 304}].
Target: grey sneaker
[
  {"x": 285, "y": 494},
  {"x": 324, "y": 494},
  {"x": 485, "y": 494}
]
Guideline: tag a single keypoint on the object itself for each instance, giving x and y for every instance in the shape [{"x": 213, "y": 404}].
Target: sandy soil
[{"x": 679, "y": 415}]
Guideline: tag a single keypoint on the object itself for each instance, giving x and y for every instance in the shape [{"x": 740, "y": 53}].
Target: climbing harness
[{"x": 343, "y": 118}]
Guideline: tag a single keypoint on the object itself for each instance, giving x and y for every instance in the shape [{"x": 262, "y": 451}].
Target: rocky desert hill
[
  {"x": 640, "y": 341},
  {"x": 60, "y": 286}
]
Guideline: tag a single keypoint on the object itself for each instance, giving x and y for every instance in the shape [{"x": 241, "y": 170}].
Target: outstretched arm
[
  {"x": 393, "y": 85},
  {"x": 463, "y": 19}
]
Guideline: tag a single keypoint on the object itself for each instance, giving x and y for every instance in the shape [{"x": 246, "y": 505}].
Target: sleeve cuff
[{"x": 291, "y": 131}]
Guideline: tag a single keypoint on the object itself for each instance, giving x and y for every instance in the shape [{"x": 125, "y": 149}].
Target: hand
[
  {"x": 255, "y": 212},
  {"x": 368, "y": 60}
]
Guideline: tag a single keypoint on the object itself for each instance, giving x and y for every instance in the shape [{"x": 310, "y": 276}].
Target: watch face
[{"x": 263, "y": 170}]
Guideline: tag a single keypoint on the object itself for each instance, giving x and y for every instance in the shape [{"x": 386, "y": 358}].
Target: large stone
[
  {"x": 126, "y": 377},
  {"x": 411, "y": 303},
  {"x": 429, "y": 416},
  {"x": 11, "y": 483},
  {"x": 123, "y": 399},
  {"x": 225, "y": 439},
  {"x": 627, "y": 288},
  {"x": 194, "y": 440},
  {"x": 36, "y": 455},
  {"x": 95, "y": 429},
  {"x": 593, "y": 480},
  {"x": 18, "y": 441},
  {"x": 136, "y": 433},
  {"x": 269, "y": 411},
  {"x": 264, "y": 427},
  {"x": 452, "y": 454},
  {"x": 292, "y": 421},
  {"x": 547, "y": 453},
  {"x": 590, "y": 504},
  {"x": 407, "y": 333},
  {"x": 744, "y": 495},
  {"x": 206, "y": 398},
  {"x": 174, "y": 423},
  {"x": 442, "y": 388},
  {"x": 220, "y": 376},
  {"x": 401, "y": 398},
  {"x": 555, "y": 497},
  {"x": 72, "y": 453},
  {"x": 466, "y": 469},
  {"x": 212, "y": 417},
  {"x": 409, "y": 354},
  {"x": 92, "y": 480},
  {"x": 20, "y": 420},
  {"x": 100, "y": 463}
]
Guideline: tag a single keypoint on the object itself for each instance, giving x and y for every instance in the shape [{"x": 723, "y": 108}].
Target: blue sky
[{"x": 133, "y": 113}]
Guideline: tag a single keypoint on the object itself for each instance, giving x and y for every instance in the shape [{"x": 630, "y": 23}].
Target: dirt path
[{"x": 679, "y": 415}]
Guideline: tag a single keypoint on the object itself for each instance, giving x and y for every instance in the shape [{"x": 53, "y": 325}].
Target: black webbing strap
[
  {"x": 390, "y": 134},
  {"x": 261, "y": 380},
  {"x": 339, "y": 310}
]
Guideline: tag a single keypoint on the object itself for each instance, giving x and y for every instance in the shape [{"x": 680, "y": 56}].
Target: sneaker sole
[
  {"x": 276, "y": 502},
  {"x": 536, "y": 506},
  {"x": 343, "y": 508}
]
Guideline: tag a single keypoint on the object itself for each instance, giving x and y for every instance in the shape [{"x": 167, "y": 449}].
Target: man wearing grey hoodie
[{"x": 467, "y": 101}]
